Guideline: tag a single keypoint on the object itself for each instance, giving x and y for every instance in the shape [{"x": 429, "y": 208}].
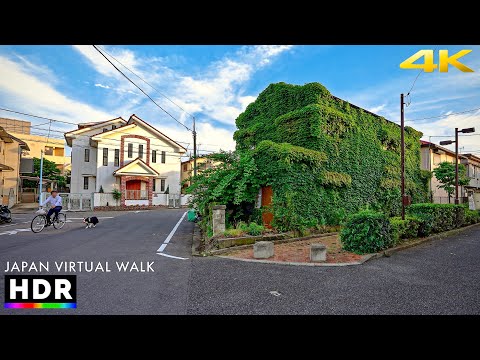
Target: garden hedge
[
  {"x": 435, "y": 218},
  {"x": 366, "y": 232},
  {"x": 404, "y": 229}
]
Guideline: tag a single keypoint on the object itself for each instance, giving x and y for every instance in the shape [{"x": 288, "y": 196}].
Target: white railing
[
  {"x": 73, "y": 201},
  {"x": 136, "y": 195}
]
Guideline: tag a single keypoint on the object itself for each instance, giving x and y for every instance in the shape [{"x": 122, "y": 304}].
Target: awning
[{"x": 5, "y": 168}]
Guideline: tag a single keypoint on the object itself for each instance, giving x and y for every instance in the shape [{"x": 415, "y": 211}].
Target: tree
[
  {"x": 50, "y": 171},
  {"x": 445, "y": 174}
]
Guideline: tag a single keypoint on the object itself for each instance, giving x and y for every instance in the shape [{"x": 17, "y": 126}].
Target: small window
[
  {"x": 87, "y": 155},
  {"x": 163, "y": 157},
  {"x": 140, "y": 151},
  {"x": 130, "y": 150},
  {"x": 114, "y": 127},
  {"x": 117, "y": 158},
  {"x": 154, "y": 156},
  {"x": 85, "y": 183},
  {"x": 162, "y": 185},
  {"x": 105, "y": 156},
  {"x": 154, "y": 183},
  {"x": 48, "y": 150},
  {"x": 105, "y": 130},
  {"x": 185, "y": 167}
]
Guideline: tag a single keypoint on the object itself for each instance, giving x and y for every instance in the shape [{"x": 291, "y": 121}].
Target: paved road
[
  {"x": 441, "y": 277},
  {"x": 128, "y": 236}
]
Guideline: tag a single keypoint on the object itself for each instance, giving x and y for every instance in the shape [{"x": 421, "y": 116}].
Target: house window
[
  {"x": 48, "y": 150},
  {"x": 114, "y": 127},
  {"x": 154, "y": 183},
  {"x": 85, "y": 183},
  {"x": 105, "y": 156},
  {"x": 162, "y": 185},
  {"x": 87, "y": 155},
  {"x": 163, "y": 157},
  {"x": 116, "y": 160},
  {"x": 105, "y": 130},
  {"x": 154, "y": 156},
  {"x": 140, "y": 151},
  {"x": 130, "y": 150},
  {"x": 185, "y": 167}
]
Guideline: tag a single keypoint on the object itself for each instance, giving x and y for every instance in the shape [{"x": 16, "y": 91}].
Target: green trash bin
[{"x": 191, "y": 215}]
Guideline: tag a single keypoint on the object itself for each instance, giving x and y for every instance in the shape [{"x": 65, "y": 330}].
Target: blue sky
[{"x": 216, "y": 83}]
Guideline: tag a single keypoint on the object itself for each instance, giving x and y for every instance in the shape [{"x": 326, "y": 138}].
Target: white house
[{"x": 131, "y": 156}]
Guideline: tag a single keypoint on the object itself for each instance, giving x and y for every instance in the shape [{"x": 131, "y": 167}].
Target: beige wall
[
  {"x": 10, "y": 156},
  {"x": 202, "y": 164},
  {"x": 37, "y": 143},
  {"x": 430, "y": 161}
]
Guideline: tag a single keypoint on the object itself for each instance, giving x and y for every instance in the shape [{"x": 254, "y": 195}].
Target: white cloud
[
  {"x": 25, "y": 92},
  {"x": 102, "y": 86},
  {"x": 377, "y": 109}
]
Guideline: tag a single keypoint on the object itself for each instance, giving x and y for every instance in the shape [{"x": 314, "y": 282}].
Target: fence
[
  {"x": 136, "y": 195},
  {"x": 74, "y": 202},
  {"x": 444, "y": 200}
]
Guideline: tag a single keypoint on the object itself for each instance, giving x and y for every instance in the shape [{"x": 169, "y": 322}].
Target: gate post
[
  {"x": 218, "y": 219},
  {"x": 81, "y": 202}
]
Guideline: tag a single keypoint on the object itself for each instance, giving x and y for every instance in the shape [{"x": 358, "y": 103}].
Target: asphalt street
[{"x": 439, "y": 277}]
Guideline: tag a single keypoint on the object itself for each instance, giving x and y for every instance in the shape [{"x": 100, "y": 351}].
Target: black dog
[{"x": 90, "y": 221}]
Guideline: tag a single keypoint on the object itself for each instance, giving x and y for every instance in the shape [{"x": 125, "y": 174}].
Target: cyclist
[{"x": 55, "y": 201}]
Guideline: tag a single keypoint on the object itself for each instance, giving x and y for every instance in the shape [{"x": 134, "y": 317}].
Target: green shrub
[
  {"x": 233, "y": 232},
  {"x": 472, "y": 216},
  {"x": 366, "y": 232},
  {"x": 435, "y": 218},
  {"x": 404, "y": 229},
  {"x": 255, "y": 229}
]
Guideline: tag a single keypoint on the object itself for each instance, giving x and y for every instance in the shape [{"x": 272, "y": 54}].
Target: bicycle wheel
[
  {"x": 38, "y": 223},
  {"x": 59, "y": 221}
]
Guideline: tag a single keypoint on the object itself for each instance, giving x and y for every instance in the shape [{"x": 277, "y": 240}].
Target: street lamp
[{"x": 448, "y": 142}]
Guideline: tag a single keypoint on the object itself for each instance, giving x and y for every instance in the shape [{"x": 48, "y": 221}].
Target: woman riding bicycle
[{"x": 55, "y": 202}]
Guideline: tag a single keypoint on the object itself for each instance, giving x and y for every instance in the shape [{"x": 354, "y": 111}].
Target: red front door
[{"x": 133, "y": 188}]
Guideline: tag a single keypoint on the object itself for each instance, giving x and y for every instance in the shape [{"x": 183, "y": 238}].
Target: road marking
[
  {"x": 13, "y": 232},
  {"x": 162, "y": 247},
  {"x": 171, "y": 256},
  {"x": 169, "y": 237},
  {"x": 101, "y": 217}
]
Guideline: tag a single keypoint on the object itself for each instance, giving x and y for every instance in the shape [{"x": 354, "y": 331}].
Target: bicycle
[{"x": 39, "y": 222}]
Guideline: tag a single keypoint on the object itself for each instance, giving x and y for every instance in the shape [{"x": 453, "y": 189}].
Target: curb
[
  {"x": 196, "y": 237},
  {"x": 389, "y": 252},
  {"x": 292, "y": 263},
  {"x": 366, "y": 258},
  {"x": 280, "y": 241}
]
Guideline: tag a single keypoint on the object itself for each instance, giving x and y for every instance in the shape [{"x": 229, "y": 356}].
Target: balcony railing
[{"x": 136, "y": 195}]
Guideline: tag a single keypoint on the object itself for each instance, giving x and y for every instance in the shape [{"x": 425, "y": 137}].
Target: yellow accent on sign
[{"x": 443, "y": 62}]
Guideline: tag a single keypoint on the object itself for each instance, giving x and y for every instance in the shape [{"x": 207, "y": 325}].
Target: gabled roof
[
  {"x": 108, "y": 132},
  {"x": 128, "y": 169},
  {"x": 135, "y": 119},
  {"x": 433, "y": 146},
  {"x": 88, "y": 126}
]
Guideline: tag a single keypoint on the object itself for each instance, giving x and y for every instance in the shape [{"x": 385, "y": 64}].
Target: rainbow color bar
[{"x": 40, "y": 305}]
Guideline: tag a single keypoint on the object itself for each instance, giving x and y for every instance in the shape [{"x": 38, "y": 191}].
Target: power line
[
  {"x": 418, "y": 75},
  {"x": 165, "y": 96},
  {"x": 139, "y": 88},
  {"x": 445, "y": 115}
]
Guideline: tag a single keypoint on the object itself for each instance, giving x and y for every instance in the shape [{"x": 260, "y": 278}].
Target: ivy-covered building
[{"x": 324, "y": 157}]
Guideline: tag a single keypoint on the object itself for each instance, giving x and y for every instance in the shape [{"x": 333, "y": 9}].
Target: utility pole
[
  {"x": 41, "y": 179},
  {"x": 194, "y": 132},
  {"x": 402, "y": 145},
  {"x": 456, "y": 166}
]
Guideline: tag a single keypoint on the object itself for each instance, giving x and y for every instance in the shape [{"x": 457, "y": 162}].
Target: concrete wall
[{"x": 80, "y": 168}]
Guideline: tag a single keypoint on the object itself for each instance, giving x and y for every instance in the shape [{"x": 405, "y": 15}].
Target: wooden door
[
  {"x": 267, "y": 216},
  {"x": 133, "y": 188}
]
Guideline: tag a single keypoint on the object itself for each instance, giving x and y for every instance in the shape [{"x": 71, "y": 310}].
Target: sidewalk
[{"x": 26, "y": 208}]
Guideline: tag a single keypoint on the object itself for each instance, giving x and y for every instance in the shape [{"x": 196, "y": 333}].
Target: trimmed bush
[
  {"x": 366, "y": 232},
  {"x": 255, "y": 229},
  {"x": 472, "y": 216},
  {"x": 404, "y": 229},
  {"x": 435, "y": 218}
]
